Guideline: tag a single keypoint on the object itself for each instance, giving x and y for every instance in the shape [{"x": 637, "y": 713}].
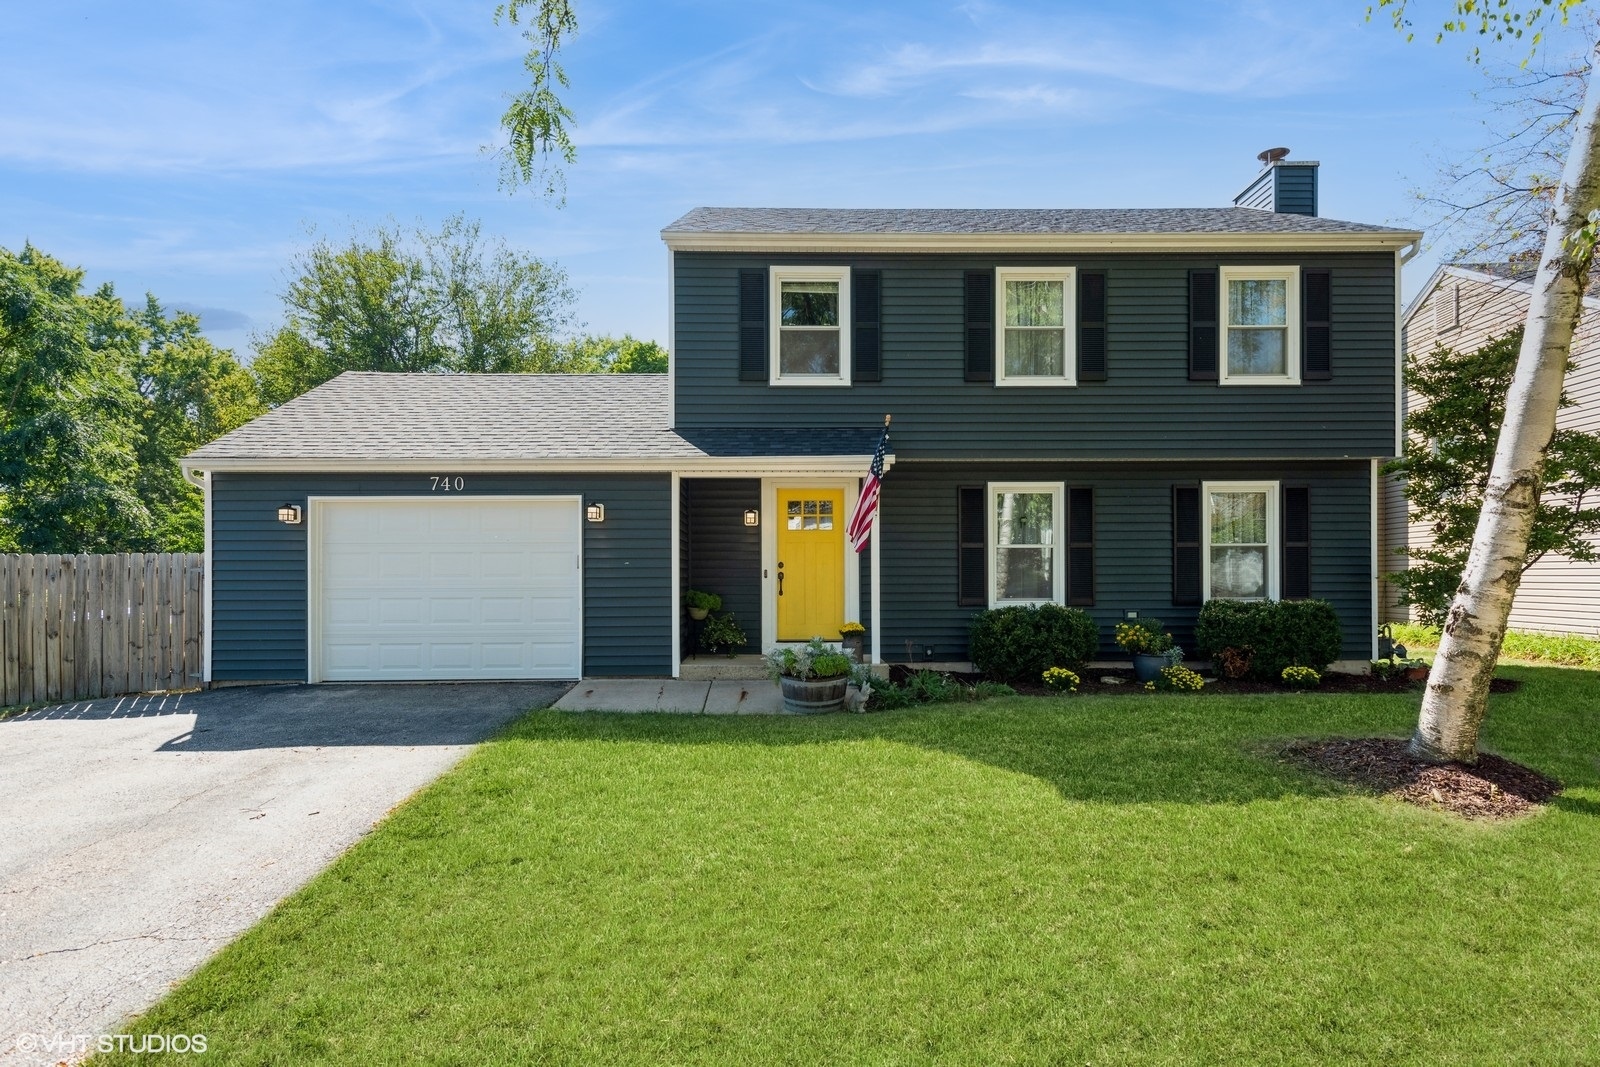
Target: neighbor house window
[
  {"x": 1034, "y": 343},
  {"x": 1241, "y": 559},
  {"x": 1025, "y": 560},
  {"x": 811, "y": 327},
  {"x": 1260, "y": 326}
]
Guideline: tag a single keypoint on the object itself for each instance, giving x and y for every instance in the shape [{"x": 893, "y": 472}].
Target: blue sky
[{"x": 187, "y": 148}]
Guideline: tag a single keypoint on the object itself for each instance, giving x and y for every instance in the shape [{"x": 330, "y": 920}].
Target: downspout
[{"x": 202, "y": 481}]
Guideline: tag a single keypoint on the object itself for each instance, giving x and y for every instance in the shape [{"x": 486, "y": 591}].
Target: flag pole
[{"x": 877, "y": 569}]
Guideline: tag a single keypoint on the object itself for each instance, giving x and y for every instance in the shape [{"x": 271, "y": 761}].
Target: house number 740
[{"x": 446, "y": 484}]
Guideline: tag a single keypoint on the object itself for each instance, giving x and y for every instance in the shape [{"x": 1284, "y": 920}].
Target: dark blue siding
[
  {"x": 1133, "y": 544},
  {"x": 1147, "y": 409},
  {"x": 259, "y": 566},
  {"x": 724, "y": 554}
]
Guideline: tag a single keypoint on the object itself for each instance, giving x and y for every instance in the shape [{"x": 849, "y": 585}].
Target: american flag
[{"x": 860, "y": 528}]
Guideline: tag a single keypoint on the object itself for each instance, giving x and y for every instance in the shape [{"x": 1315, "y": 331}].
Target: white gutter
[
  {"x": 697, "y": 241},
  {"x": 706, "y": 467}
]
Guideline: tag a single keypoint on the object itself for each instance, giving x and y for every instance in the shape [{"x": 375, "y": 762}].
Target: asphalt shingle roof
[
  {"x": 1000, "y": 221},
  {"x": 365, "y": 416}
]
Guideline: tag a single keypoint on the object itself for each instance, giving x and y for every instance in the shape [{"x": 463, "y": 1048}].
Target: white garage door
[{"x": 447, "y": 589}]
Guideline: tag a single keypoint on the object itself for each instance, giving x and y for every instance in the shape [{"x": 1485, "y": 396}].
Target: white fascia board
[
  {"x": 681, "y": 241},
  {"x": 844, "y": 465}
]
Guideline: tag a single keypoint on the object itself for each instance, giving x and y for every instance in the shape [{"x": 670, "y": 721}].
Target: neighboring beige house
[{"x": 1461, "y": 307}]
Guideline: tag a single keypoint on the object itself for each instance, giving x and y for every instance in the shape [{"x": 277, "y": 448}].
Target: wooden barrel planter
[{"x": 811, "y": 696}]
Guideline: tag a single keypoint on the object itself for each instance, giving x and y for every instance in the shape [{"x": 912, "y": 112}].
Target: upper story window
[
  {"x": 811, "y": 325},
  {"x": 1260, "y": 326},
  {"x": 1241, "y": 557},
  {"x": 1033, "y": 345}
]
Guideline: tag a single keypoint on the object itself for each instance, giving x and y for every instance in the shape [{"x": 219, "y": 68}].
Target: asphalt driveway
[{"x": 140, "y": 835}]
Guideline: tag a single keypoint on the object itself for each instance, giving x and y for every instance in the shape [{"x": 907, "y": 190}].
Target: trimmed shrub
[
  {"x": 1273, "y": 634},
  {"x": 1021, "y": 643}
]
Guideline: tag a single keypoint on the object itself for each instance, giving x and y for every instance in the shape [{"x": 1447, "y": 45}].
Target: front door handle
[{"x": 780, "y": 579}]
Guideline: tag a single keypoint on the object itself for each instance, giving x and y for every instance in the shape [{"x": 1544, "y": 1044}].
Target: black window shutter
[
  {"x": 1080, "y": 546},
  {"x": 1296, "y": 579},
  {"x": 972, "y": 556},
  {"x": 1186, "y": 546},
  {"x": 1092, "y": 326},
  {"x": 752, "y": 325},
  {"x": 979, "y": 304},
  {"x": 866, "y": 319},
  {"x": 1316, "y": 309},
  {"x": 1203, "y": 325}
]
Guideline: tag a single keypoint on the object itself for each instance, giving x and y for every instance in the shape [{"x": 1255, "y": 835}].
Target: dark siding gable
[
  {"x": 1203, "y": 325},
  {"x": 978, "y": 292},
  {"x": 752, "y": 325}
]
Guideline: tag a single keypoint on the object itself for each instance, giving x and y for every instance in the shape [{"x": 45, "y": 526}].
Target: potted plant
[
  {"x": 813, "y": 678},
  {"x": 1151, "y": 645},
  {"x": 701, "y": 604},
  {"x": 853, "y": 636},
  {"x": 721, "y": 634}
]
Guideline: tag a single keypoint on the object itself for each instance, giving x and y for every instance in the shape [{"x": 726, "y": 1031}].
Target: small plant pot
[
  {"x": 813, "y": 696},
  {"x": 1416, "y": 674},
  {"x": 1147, "y": 668},
  {"x": 699, "y": 614},
  {"x": 853, "y": 645}
]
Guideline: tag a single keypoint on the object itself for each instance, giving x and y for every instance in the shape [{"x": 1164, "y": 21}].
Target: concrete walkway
[
  {"x": 722, "y": 696},
  {"x": 139, "y": 835}
]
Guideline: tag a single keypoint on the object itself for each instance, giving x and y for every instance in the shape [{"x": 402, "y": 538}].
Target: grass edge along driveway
[{"x": 1128, "y": 879}]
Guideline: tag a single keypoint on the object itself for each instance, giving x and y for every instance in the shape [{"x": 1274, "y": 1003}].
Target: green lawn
[{"x": 1107, "y": 880}]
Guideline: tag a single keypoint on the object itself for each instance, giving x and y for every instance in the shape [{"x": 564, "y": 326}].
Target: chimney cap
[{"x": 1272, "y": 155}]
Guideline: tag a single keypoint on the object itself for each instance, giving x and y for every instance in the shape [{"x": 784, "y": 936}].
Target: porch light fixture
[
  {"x": 752, "y": 517},
  {"x": 595, "y": 513},
  {"x": 291, "y": 515}
]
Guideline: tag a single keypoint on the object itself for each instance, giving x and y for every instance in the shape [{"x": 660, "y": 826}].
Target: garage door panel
[{"x": 466, "y": 588}]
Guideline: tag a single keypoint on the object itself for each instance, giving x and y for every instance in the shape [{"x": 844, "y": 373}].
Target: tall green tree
[
  {"x": 1449, "y": 451},
  {"x": 1457, "y": 696},
  {"x": 190, "y": 392},
  {"x": 68, "y": 421},
  {"x": 388, "y": 300},
  {"x": 605, "y": 354}
]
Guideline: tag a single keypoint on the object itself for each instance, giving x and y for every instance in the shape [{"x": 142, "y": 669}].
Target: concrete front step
[{"x": 708, "y": 668}]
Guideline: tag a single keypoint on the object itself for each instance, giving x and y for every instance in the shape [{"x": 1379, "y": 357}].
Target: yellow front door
[{"x": 810, "y": 563}]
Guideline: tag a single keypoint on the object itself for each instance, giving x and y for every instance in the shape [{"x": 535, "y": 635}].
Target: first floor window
[
  {"x": 810, "y": 334},
  {"x": 1035, "y": 315},
  {"x": 1261, "y": 316},
  {"x": 1241, "y": 521},
  {"x": 1025, "y": 524}
]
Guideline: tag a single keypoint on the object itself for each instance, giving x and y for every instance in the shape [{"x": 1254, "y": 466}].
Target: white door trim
[
  {"x": 769, "y": 550},
  {"x": 314, "y": 521}
]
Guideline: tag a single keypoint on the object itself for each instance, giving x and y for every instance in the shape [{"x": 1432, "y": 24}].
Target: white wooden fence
[{"x": 80, "y": 627}]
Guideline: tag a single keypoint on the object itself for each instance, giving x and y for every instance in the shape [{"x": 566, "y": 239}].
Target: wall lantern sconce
[
  {"x": 595, "y": 513},
  {"x": 291, "y": 515},
  {"x": 752, "y": 517}
]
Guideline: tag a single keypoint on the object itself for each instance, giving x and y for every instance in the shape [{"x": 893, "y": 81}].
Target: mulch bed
[
  {"x": 1494, "y": 789},
  {"x": 1098, "y": 681}
]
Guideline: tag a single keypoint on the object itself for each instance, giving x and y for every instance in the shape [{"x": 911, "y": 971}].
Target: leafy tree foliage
[
  {"x": 392, "y": 301},
  {"x": 1449, "y": 449},
  {"x": 100, "y": 405},
  {"x": 616, "y": 355},
  {"x": 535, "y": 121}
]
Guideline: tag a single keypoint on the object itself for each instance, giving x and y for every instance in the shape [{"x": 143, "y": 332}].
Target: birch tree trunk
[{"x": 1458, "y": 685}]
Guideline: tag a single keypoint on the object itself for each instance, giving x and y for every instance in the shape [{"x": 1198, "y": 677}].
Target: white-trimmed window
[
  {"x": 1025, "y": 543},
  {"x": 810, "y": 327},
  {"x": 1034, "y": 312},
  {"x": 1260, "y": 326},
  {"x": 1242, "y": 543}
]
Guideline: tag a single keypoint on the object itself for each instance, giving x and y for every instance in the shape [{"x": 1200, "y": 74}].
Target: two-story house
[{"x": 1124, "y": 410}]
